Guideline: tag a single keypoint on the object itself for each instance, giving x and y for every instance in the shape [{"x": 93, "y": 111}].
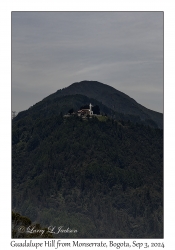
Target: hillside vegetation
[
  {"x": 111, "y": 98},
  {"x": 102, "y": 178},
  {"x": 62, "y": 104}
]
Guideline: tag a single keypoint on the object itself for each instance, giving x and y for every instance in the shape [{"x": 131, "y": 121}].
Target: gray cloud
[{"x": 51, "y": 50}]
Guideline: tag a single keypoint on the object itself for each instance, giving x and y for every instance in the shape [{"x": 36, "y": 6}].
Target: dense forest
[{"x": 101, "y": 178}]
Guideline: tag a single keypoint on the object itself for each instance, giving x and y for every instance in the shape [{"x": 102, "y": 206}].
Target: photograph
[{"x": 87, "y": 143}]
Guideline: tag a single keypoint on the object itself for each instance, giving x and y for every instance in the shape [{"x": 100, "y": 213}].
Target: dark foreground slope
[
  {"x": 112, "y": 98},
  {"x": 103, "y": 179}
]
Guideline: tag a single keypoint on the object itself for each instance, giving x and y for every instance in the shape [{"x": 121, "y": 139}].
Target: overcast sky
[{"x": 51, "y": 50}]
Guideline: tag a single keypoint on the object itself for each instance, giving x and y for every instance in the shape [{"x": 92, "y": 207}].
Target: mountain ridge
[
  {"x": 62, "y": 104},
  {"x": 110, "y": 97}
]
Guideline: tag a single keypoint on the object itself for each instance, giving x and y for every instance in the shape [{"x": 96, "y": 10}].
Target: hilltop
[{"x": 111, "y": 98}]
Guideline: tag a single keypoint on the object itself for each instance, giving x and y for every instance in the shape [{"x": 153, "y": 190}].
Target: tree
[
  {"x": 71, "y": 111},
  {"x": 22, "y": 227},
  {"x": 96, "y": 110}
]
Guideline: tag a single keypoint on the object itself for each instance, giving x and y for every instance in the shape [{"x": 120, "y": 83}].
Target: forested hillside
[
  {"x": 111, "y": 98},
  {"x": 104, "y": 179},
  {"x": 62, "y": 104}
]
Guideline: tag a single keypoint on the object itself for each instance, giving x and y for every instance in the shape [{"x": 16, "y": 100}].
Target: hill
[
  {"x": 62, "y": 104},
  {"x": 103, "y": 179},
  {"x": 111, "y": 98}
]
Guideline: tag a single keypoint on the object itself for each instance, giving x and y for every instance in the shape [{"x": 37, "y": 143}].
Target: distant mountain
[
  {"x": 111, "y": 98},
  {"x": 101, "y": 177}
]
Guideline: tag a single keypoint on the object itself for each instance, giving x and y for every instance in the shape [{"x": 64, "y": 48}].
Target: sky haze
[{"x": 51, "y": 50}]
